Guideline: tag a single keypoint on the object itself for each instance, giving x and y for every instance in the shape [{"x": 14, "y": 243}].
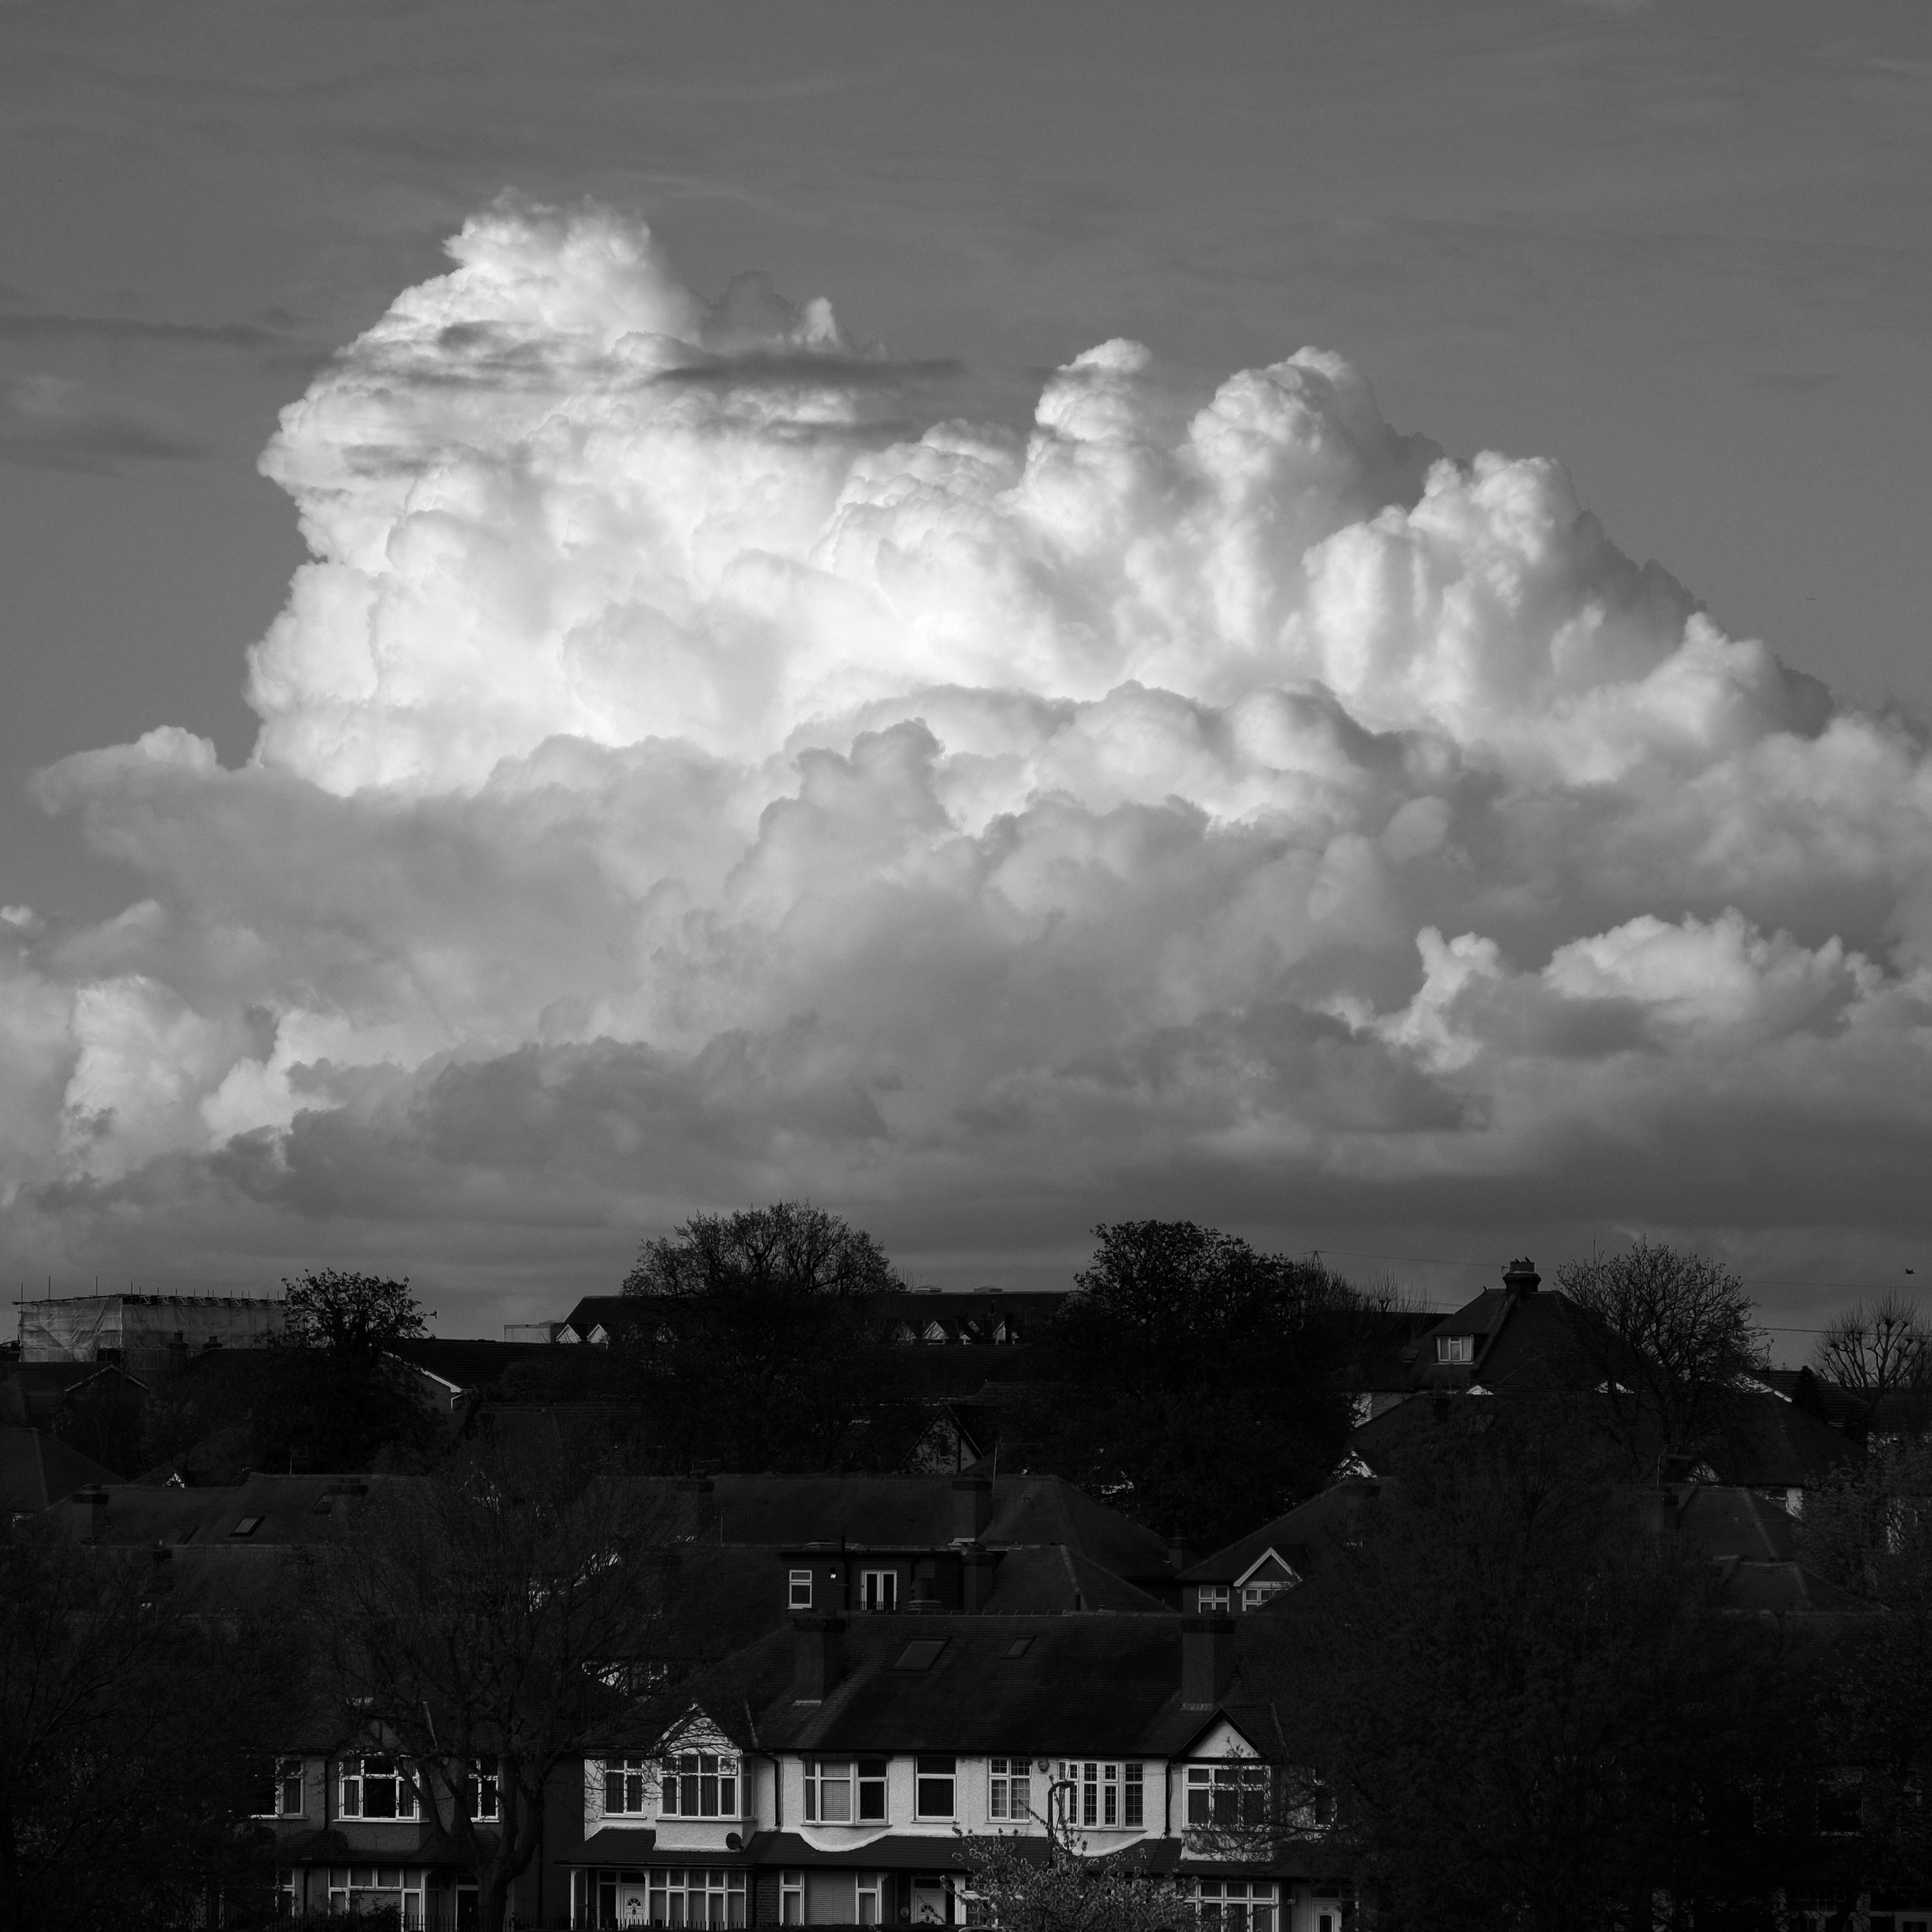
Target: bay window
[
  {"x": 1093, "y": 1792},
  {"x": 1236, "y": 1904},
  {"x": 699, "y": 1784},
  {"x": 1229, "y": 1796}
]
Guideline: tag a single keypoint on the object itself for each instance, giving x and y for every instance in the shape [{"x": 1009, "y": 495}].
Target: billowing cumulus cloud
[{"x": 689, "y": 772}]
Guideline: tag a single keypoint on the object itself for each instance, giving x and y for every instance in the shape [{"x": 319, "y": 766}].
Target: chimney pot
[{"x": 1207, "y": 1661}]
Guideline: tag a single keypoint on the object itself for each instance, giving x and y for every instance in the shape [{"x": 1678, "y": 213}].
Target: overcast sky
[{"x": 685, "y": 776}]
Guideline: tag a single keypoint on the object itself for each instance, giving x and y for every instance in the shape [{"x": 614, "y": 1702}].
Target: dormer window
[
  {"x": 1455, "y": 1348},
  {"x": 800, "y": 1595},
  {"x": 1210, "y": 1597}
]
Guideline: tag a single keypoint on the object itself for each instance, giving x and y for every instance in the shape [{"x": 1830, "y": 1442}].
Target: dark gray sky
[{"x": 1686, "y": 251}]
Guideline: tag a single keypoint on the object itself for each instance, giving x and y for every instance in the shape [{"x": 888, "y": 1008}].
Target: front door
[{"x": 930, "y": 1902}]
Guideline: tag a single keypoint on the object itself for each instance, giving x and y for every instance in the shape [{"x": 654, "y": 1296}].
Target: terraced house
[{"x": 845, "y": 1770}]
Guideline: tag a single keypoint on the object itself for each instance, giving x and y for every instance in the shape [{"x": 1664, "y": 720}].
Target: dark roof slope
[
  {"x": 1100, "y": 1684},
  {"x": 1324, "y": 1523},
  {"x": 37, "y": 1470},
  {"x": 261, "y": 1510},
  {"x": 1522, "y": 1342},
  {"x": 466, "y": 1363},
  {"x": 917, "y": 1512},
  {"x": 1722, "y": 1520},
  {"x": 1768, "y": 1443}
]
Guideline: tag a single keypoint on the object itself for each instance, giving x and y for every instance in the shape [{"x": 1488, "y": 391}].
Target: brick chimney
[
  {"x": 1207, "y": 1661},
  {"x": 1520, "y": 1277},
  {"x": 972, "y": 1507},
  {"x": 978, "y": 1567},
  {"x": 817, "y": 1645}
]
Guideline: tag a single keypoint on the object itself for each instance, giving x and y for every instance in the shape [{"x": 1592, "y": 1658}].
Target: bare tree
[
  {"x": 1682, "y": 1333},
  {"x": 487, "y": 1626},
  {"x": 131, "y": 1731},
  {"x": 1881, "y": 1351}
]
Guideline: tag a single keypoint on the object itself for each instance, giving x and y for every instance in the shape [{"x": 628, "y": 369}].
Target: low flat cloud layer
[{"x": 688, "y": 773}]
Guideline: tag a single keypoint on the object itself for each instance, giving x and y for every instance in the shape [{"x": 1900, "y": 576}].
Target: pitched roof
[
  {"x": 1785, "y": 1589},
  {"x": 1096, "y": 1683},
  {"x": 917, "y": 1512},
  {"x": 1521, "y": 1342},
  {"x": 1768, "y": 1443},
  {"x": 1323, "y": 1523},
  {"x": 261, "y": 1511},
  {"x": 1722, "y": 1520},
  {"x": 466, "y": 1363},
  {"x": 37, "y": 1470}
]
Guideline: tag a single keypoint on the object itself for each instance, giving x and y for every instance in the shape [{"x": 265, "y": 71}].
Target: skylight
[
  {"x": 247, "y": 1526},
  {"x": 922, "y": 1653},
  {"x": 1018, "y": 1647}
]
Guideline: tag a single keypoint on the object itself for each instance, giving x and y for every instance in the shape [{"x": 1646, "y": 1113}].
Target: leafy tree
[
  {"x": 488, "y": 1623},
  {"x": 1681, "y": 1332},
  {"x": 130, "y": 1736},
  {"x": 761, "y": 1344},
  {"x": 355, "y": 1316},
  {"x": 1191, "y": 1379},
  {"x": 329, "y": 1396},
  {"x": 1881, "y": 1351},
  {"x": 1523, "y": 1702}
]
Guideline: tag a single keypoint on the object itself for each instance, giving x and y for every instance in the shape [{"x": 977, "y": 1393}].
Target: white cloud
[{"x": 686, "y": 776}]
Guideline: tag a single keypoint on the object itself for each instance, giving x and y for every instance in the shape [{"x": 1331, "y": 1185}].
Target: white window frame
[
  {"x": 353, "y": 1777},
  {"x": 1234, "y": 1776},
  {"x": 1211, "y": 1597},
  {"x": 1237, "y": 1904},
  {"x": 1459, "y": 1349},
  {"x": 879, "y": 1590},
  {"x": 791, "y": 1898},
  {"x": 345, "y": 1883},
  {"x": 1010, "y": 1790},
  {"x": 868, "y": 1897},
  {"x": 1103, "y": 1795},
  {"x": 483, "y": 1795},
  {"x": 861, "y": 1778},
  {"x": 699, "y": 1775},
  {"x": 798, "y": 1590},
  {"x": 926, "y": 1771},
  {"x": 289, "y": 1772},
  {"x": 632, "y": 1778},
  {"x": 697, "y": 1885},
  {"x": 1254, "y": 1595}
]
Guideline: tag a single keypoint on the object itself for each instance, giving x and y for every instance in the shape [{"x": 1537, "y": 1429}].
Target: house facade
[{"x": 845, "y": 1775}]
